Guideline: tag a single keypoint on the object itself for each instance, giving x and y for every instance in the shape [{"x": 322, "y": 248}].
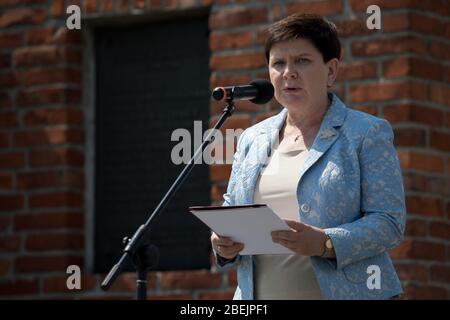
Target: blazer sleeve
[
  {"x": 228, "y": 197},
  {"x": 383, "y": 210}
]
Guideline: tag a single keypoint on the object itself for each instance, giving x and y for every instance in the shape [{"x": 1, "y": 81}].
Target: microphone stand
[{"x": 143, "y": 255}]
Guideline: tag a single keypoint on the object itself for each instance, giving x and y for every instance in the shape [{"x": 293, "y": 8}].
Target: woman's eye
[
  {"x": 278, "y": 63},
  {"x": 302, "y": 60}
]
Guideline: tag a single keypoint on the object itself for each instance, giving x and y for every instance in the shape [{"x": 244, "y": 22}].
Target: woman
[{"x": 334, "y": 177}]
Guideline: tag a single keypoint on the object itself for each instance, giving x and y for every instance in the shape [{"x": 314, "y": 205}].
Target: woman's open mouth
[{"x": 291, "y": 89}]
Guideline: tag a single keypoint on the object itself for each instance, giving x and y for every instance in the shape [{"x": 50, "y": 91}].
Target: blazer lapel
[
  {"x": 327, "y": 134},
  {"x": 259, "y": 152},
  {"x": 266, "y": 137}
]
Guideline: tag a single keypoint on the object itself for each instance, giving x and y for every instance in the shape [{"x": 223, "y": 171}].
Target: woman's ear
[{"x": 333, "y": 69}]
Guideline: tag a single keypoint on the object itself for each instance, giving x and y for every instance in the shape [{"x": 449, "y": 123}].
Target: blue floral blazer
[{"x": 350, "y": 185}]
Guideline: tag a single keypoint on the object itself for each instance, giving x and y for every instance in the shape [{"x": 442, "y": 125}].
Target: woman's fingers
[
  {"x": 230, "y": 251},
  {"x": 225, "y": 246}
]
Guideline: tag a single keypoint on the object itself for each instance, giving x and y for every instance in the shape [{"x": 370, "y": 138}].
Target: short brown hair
[{"x": 319, "y": 31}]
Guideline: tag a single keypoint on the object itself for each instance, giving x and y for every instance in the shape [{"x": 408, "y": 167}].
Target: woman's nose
[{"x": 290, "y": 72}]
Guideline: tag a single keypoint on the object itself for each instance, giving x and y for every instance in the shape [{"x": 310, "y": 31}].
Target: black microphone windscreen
[{"x": 265, "y": 91}]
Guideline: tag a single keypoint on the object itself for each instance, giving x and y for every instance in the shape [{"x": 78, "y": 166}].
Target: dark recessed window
[{"x": 150, "y": 80}]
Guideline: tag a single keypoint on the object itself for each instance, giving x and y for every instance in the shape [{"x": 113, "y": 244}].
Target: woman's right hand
[{"x": 225, "y": 247}]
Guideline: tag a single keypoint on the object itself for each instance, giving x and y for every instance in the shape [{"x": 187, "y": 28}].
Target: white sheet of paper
[{"x": 246, "y": 224}]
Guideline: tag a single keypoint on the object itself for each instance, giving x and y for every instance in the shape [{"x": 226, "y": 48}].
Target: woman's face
[{"x": 298, "y": 73}]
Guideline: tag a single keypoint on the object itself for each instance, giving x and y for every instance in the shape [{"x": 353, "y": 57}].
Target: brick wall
[{"x": 400, "y": 73}]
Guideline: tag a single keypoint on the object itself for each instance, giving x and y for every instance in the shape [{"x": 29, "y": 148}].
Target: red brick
[
  {"x": 395, "y": 22},
  {"x": 189, "y": 280},
  {"x": 34, "y": 97},
  {"x": 222, "y": 295},
  {"x": 413, "y": 291},
  {"x": 217, "y": 192},
  {"x": 352, "y": 27},
  {"x": 126, "y": 282},
  {"x": 413, "y": 113},
  {"x": 448, "y": 206},
  {"x": 237, "y": 16},
  {"x": 406, "y": 66},
  {"x": 59, "y": 284},
  {"x": 46, "y": 179},
  {"x": 5, "y": 140},
  {"x": 40, "y": 55},
  {"x": 387, "y": 91},
  {"x": 230, "y": 40},
  {"x": 5, "y": 60},
  {"x": 47, "y": 136},
  {"x": 5, "y": 222},
  {"x": 401, "y": 45},
  {"x": 439, "y": 7},
  {"x": 324, "y": 7},
  {"x": 49, "y": 76},
  {"x": 57, "y": 9},
  {"x": 419, "y": 250},
  {"x": 8, "y": 120},
  {"x": 141, "y": 4},
  {"x": 232, "y": 278},
  {"x": 361, "y": 5},
  {"x": 410, "y": 137},
  {"x": 263, "y": 116},
  {"x": 418, "y": 228},
  {"x": 411, "y": 272},
  {"x": 60, "y": 156},
  {"x": 427, "y": 24},
  {"x": 70, "y": 55},
  {"x": 39, "y": 36},
  {"x": 440, "y": 94},
  {"x": 19, "y": 287},
  {"x": 10, "y": 40},
  {"x": 106, "y": 6},
  {"x": 440, "y": 273},
  {"x": 440, "y": 230},
  {"x": 157, "y": 3},
  {"x": 440, "y": 140},
  {"x": 6, "y": 181},
  {"x": 22, "y": 16},
  {"x": 9, "y": 243},
  {"x": 122, "y": 6},
  {"x": 174, "y": 296},
  {"x": 219, "y": 172},
  {"x": 357, "y": 71},
  {"x": 5, "y": 267},
  {"x": 440, "y": 50},
  {"x": 227, "y": 80},
  {"x": 8, "y": 79},
  {"x": 424, "y": 183},
  {"x": 90, "y": 6},
  {"x": 44, "y": 221},
  {"x": 237, "y": 61},
  {"x": 66, "y": 36},
  {"x": 48, "y": 242},
  {"x": 424, "y": 162},
  {"x": 235, "y": 122},
  {"x": 41, "y": 117},
  {"x": 425, "y": 205},
  {"x": 5, "y": 100},
  {"x": 55, "y": 200},
  {"x": 367, "y": 109},
  {"x": 26, "y": 264},
  {"x": 12, "y": 160}
]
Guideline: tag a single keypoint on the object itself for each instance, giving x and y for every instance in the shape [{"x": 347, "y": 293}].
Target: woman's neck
[{"x": 306, "y": 118}]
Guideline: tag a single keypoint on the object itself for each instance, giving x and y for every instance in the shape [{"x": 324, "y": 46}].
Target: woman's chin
[{"x": 293, "y": 100}]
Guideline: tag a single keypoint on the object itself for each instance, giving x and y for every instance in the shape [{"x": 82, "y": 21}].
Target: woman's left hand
[{"x": 303, "y": 239}]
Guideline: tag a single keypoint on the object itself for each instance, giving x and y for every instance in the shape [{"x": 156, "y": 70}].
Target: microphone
[{"x": 258, "y": 91}]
